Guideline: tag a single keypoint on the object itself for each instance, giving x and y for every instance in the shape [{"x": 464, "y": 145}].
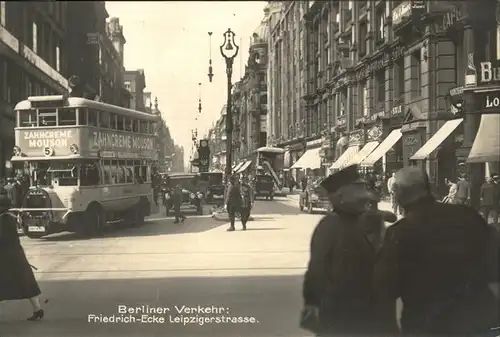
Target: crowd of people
[{"x": 440, "y": 259}]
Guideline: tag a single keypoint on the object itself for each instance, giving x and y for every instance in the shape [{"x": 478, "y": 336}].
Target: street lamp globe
[{"x": 229, "y": 49}]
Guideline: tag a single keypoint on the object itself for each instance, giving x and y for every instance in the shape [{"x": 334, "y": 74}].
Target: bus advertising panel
[
  {"x": 43, "y": 142},
  {"x": 90, "y": 142}
]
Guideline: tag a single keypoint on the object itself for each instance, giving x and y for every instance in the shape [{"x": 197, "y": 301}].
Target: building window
[
  {"x": 2, "y": 13},
  {"x": 58, "y": 59},
  {"x": 400, "y": 72},
  {"x": 380, "y": 85},
  {"x": 35, "y": 37},
  {"x": 363, "y": 98},
  {"x": 343, "y": 102},
  {"x": 416, "y": 73},
  {"x": 380, "y": 21},
  {"x": 100, "y": 54},
  {"x": 363, "y": 33}
]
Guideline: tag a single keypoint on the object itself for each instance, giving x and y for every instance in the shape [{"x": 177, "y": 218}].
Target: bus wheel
[
  {"x": 139, "y": 214},
  {"x": 94, "y": 222}
]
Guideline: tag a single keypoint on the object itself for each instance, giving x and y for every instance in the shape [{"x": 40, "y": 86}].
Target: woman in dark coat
[{"x": 16, "y": 277}]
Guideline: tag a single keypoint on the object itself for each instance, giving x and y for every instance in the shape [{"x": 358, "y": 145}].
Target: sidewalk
[{"x": 383, "y": 205}]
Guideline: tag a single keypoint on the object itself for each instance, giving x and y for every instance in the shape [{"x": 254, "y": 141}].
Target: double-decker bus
[{"x": 89, "y": 164}]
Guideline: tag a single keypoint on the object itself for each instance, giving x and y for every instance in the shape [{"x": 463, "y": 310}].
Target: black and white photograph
[{"x": 250, "y": 168}]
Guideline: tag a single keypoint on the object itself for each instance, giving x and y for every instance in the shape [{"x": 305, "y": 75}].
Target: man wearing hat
[
  {"x": 337, "y": 287},
  {"x": 438, "y": 259}
]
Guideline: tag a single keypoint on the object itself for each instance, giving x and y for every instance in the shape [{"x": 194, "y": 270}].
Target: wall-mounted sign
[
  {"x": 456, "y": 97},
  {"x": 397, "y": 110},
  {"x": 341, "y": 121},
  {"x": 489, "y": 72},
  {"x": 451, "y": 18},
  {"x": 375, "y": 132},
  {"x": 470, "y": 72},
  {"x": 490, "y": 102},
  {"x": 355, "y": 136}
]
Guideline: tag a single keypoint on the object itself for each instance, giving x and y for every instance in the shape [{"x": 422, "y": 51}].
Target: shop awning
[
  {"x": 345, "y": 158},
  {"x": 237, "y": 166},
  {"x": 486, "y": 146},
  {"x": 383, "y": 148},
  {"x": 437, "y": 139},
  {"x": 309, "y": 160},
  {"x": 363, "y": 153},
  {"x": 243, "y": 167}
]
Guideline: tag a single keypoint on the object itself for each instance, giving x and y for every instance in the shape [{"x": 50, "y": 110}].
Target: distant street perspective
[{"x": 254, "y": 274}]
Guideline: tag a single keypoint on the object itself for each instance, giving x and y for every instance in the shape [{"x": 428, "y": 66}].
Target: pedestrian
[
  {"x": 12, "y": 190},
  {"x": 16, "y": 276},
  {"x": 291, "y": 182},
  {"x": 463, "y": 191},
  {"x": 489, "y": 200},
  {"x": 177, "y": 201},
  {"x": 233, "y": 201},
  {"x": 437, "y": 260},
  {"x": 390, "y": 188},
  {"x": 452, "y": 192},
  {"x": 247, "y": 199},
  {"x": 303, "y": 183},
  {"x": 337, "y": 287}
]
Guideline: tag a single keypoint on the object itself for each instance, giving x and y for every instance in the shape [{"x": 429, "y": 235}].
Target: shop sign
[
  {"x": 489, "y": 73},
  {"x": 406, "y": 9},
  {"x": 341, "y": 121},
  {"x": 375, "y": 132},
  {"x": 491, "y": 102},
  {"x": 355, "y": 136},
  {"x": 380, "y": 63},
  {"x": 315, "y": 142},
  {"x": 397, "y": 110},
  {"x": 326, "y": 142},
  {"x": 456, "y": 96},
  {"x": 451, "y": 18}
]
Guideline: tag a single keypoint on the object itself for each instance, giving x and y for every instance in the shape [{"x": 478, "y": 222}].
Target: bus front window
[{"x": 47, "y": 173}]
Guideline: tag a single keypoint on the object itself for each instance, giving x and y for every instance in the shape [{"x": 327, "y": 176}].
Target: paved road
[{"x": 255, "y": 276}]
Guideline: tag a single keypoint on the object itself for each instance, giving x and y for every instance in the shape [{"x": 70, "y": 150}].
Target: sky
[{"x": 170, "y": 41}]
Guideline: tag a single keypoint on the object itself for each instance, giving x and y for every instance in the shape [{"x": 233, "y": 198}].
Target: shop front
[
  {"x": 310, "y": 162},
  {"x": 356, "y": 140}
]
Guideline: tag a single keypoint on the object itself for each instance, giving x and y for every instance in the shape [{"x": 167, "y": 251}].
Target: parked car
[
  {"x": 191, "y": 195},
  {"x": 314, "y": 197},
  {"x": 264, "y": 187},
  {"x": 212, "y": 187}
]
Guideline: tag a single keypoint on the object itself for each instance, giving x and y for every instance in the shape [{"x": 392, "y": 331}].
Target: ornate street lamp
[{"x": 229, "y": 50}]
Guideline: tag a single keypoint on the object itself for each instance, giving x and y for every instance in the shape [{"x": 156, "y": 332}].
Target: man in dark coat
[
  {"x": 177, "y": 200},
  {"x": 437, "y": 260},
  {"x": 233, "y": 200},
  {"x": 247, "y": 198},
  {"x": 337, "y": 286},
  {"x": 489, "y": 199}
]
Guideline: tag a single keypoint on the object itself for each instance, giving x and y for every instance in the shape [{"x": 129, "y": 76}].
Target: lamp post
[{"x": 229, "y": 50}]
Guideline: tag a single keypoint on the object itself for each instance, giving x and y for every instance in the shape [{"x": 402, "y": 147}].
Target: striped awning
[{"x": 345, "y": 158}]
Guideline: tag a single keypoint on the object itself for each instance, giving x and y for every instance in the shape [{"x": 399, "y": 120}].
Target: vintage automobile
[
  {"x": 191, "y": 196},
  {"x": 264, "y": 186},
  {"x": 314, "y": 197},
  {"x": 212, "y": 187}
]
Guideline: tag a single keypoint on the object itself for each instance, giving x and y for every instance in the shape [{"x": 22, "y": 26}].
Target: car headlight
[
  {"x": 192, "y": 195},
  {"x": 199, "y": 195},
  {"x": 167, "y": 196}
]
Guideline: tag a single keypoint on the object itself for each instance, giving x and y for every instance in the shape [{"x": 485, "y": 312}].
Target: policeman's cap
[{"x": 344, "y": 177}]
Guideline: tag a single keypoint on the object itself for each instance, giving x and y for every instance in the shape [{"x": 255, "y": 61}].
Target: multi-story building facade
[
  {"x": 111, "y": 56},
  {"x": 217, "y": 142},
  {"x": 286, "y": 78},
  {"x": 135, "y": 82},
  {"x": 87, "y": 27},
  {"x": 382, "y": 81},
  {"x": 178, "y": 159},
  {"x": 33, "y": 60},
  {"x": 250, "y": 109}
]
